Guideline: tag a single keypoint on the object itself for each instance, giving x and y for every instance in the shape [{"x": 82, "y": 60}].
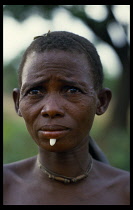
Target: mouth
[{"x": 53, "y": 131}]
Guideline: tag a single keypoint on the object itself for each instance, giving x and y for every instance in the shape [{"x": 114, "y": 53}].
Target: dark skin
[{"x": 58, "y": 90}]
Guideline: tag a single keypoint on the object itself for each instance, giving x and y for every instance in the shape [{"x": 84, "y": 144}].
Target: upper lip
[{"x": 53, "y": 128}]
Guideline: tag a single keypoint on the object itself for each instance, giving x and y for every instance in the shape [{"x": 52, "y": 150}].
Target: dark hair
[{"x": 66, "y": 41}]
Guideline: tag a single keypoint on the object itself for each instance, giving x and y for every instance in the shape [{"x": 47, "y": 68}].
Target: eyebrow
[
  {"x": 71, "y": 82},
  {"x": 28, "y": 85}
]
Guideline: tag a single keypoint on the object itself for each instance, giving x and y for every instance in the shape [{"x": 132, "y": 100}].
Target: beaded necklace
[{"x": 65, "y": 179}]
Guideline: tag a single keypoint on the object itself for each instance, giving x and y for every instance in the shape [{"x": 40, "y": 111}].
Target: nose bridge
[{"x": 53, "y": 106}]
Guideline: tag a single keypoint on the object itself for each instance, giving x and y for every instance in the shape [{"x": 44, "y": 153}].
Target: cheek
[
  {"x": 87, "y": 116},
  {"x": 28, "y": 109},
  {"x": 84, "y": 114},
  {"x": 29, "y": 113}
]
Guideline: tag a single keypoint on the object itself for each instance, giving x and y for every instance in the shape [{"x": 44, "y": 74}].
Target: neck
[{"x": 69, "y": 163}]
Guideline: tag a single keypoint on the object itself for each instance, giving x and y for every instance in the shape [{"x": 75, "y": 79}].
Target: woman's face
[{"x": 57, "y": 99}]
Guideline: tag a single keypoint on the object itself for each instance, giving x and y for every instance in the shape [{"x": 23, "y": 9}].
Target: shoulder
[
  {"x": 116, "y": 180},
  {"x": 17, "y": 169},
  {"x": 112, "y": 173},
  {"x": 15, "y": 177}
]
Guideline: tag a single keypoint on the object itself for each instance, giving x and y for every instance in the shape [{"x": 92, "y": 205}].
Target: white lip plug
[{"x": 52, "y": 142}]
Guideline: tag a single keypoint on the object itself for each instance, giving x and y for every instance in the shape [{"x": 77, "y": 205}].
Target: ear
[
  {"x": 16, "y": 96},
  {"x": 104, "y": 97}
]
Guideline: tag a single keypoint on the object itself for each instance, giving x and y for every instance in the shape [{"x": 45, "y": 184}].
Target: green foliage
[
  {"x": 17, "y": 142},
  {"x": 10, "y": 74},
  {"x": 118, "y": 142},
  {"x": 115, "y": 144},
  {"x": 21, "y": 12}
]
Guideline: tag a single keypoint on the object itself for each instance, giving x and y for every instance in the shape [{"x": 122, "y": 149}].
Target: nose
[{"x": 52, "y": 108}]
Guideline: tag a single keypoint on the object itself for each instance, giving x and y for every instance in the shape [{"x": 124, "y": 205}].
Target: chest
[
  {"x": 30, "y": 194},
  {"x": 52, "y": 194}
]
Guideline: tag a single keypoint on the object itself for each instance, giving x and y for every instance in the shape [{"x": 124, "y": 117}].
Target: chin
[{"x": 57, "y": 147}]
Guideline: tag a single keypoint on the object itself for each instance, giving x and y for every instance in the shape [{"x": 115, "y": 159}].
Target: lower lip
[{"x": 53, "y": 134}]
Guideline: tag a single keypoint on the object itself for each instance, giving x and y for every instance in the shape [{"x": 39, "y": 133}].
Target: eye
[
  {"x": 72, "y": 90},
  {"x": 35, "y": 91}
]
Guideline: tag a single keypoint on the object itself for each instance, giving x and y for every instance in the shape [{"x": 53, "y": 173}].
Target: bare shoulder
[
  {"x": 17, "y": 169},
  {"x": 113, "y": 173},
  {"x": 16, "y": 176},
  {"x": 116, "y": 180}
]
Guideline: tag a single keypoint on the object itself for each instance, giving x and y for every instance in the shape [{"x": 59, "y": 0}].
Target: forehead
[{"x": 56, "y": 63}]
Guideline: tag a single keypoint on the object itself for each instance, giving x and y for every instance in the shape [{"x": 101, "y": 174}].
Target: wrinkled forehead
[{"x": 55, "y": 62}]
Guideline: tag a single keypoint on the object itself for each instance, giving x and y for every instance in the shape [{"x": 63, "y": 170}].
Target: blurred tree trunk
[{"x": 120, "y": 112}]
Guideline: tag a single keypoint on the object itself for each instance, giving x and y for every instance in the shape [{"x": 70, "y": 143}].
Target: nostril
[
  {"x": 51, "y": 113},
  {"x": 58, "y": 115},
  {"x": 45, "y": 115}
]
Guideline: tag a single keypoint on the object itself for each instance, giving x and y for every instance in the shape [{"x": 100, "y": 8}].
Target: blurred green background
[{"x": 107, "y": 26}]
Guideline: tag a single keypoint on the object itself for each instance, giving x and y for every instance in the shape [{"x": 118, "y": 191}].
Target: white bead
[{"x": 52, "y": 142}]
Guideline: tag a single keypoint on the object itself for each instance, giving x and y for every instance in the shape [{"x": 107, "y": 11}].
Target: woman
[{"x": 60, "y": 91}]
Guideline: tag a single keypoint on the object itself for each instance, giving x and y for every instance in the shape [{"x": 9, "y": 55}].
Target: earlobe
[
  {"x": 104, "y": 97},
  {"x": 16, "y": 96}
]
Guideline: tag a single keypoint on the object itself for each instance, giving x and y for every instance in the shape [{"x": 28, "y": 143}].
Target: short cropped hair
[{"x": 66, "y": 41}]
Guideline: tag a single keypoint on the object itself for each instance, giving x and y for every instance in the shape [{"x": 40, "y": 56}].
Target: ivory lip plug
[{"x": 52, "y": 142}]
